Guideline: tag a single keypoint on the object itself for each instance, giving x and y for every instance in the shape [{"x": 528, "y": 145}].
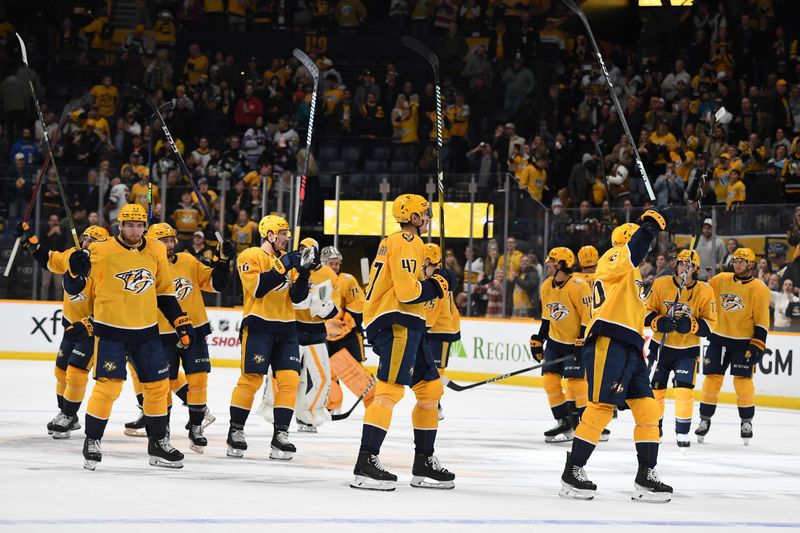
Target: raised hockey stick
[
  {"x": 342, "y": 416},
  {"x": 433, "y": 60},
  {"x": 456, "y": 387},
  {"x": 157, "y": 113},
  {"x": 639, "y": 163},
  {"x": 314, "y": 71}
]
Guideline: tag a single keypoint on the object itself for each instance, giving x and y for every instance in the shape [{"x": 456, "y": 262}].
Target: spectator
[
  {"x": 514, "y": 256},
  {"x": 187, "y": 217},
  {"x": 484, "y": 164},
  {"x": 519, "y": 84},
  {"x": 780, "y": 110},
  {"x": 248, "y": 107},
  {"x": 763, "y": 270},
  {"x": 711, "y": 251},
  {"x": 287, "y": 134},
  {"x": 159, "y": 73},
  {"x": 365, "y": 87},
  {"x": 781, "y": 302},
  {"x": 56, "y": 240},
  {"x": 20, "y": 185},
  {"x": 350, "y": 13},
  {"x": 14, "y": 98},
  {"x": 371, "y": 117},
  {"x": 525, "y": 288},
  {"x": 244, "y": 231},
  {"x": 106, "y": 97},
  {"x": 494, "y": 295},
  {"x": 731, "y": 245},
  {"x": 669, "y": 86},
  {"x": 582, "y": 178},
  {"x": 255, "y": 139},
  {"x": 792, "y": 271},
  {"x": 26, "y": 146},
  {"x": 199, "y": 249},
  {"x": 452, "y": 50},
  {"x": 668, "y": 187},
  {"x": 736, "y": 192},
  {"x": 478, "y": 67},
  {"x": 195, "y": 70}
]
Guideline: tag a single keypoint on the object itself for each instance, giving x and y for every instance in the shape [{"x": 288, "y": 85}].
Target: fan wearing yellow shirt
[
  {"x": 683, "y": 324},
  {"x": 244, "y": 231},
  {"x": 394, "y": 318},
  {"x": 272, "y": 281},
  {"x": 615, "y": 369},
  {"x": 190, "y": 277},
  {"x": 737, "y": 192},
  {"x": 132, "y": 286},
  {"x": 106, "y": 97},
  {"x": 74, "y": 360},
  {"x": 140, "y": 191},
  {"x": 533, "y": 178},
  {"x": 565, "y": 314}
]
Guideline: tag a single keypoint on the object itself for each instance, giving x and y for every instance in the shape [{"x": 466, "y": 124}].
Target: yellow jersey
[
  {"x": 721, "y": 178},
  {"x": 406, "y": 129},
  {"x": 310, "y": 328},
  {"x": 514, "y": 259},
  {"x": 189, "y": 278},
  {"x": 243, "y": 236},
  {"x": 196, "y": 69},
  {"x": 459, "y": 120},
  {"x": 588, "y": 277},
  {"x": 139, "y": 194},
  {"x": 187, "y": 221},
  {"x": 442, "y": 319},
  {"x": 273, "y": 310},
  {"x": 697, "y": 300},
  {"x": 76, "y": 306},
  {"x": 106, "y": 99},
  {"x": 565, "y": 306},
  {"x": 742, "y": 309},
  {"x": 351, "y": 308},
  {"x": 127, "y": 281},
  {"x": 534, "y": 180},
  {"x": 618, "y": 298},
  {"x": 395, "y": 284},
  {"x": 737, "y": 193}
]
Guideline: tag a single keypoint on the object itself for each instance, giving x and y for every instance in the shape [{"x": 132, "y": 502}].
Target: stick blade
[
  {"x": 22, "y": 49},
  {"x": 306, "y": 61},
  {"x": 423, "y": 50}
]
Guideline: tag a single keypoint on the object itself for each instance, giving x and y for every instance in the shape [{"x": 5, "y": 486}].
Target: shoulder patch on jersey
[
  {"x": 731, "y": 302},
  {"x": 408, "y": 236},
  {"x": 137, "y": 280},
  {"x": 578, "y": 280},
  {"x": 613, "y": 257}
]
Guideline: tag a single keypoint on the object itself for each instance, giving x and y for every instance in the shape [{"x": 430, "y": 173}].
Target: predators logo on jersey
[
  {"x": 76, "y": 298},
  {"x": 558, "y": 311},
  {"x": 137, "y": 280},
  {"x": 183, "y": 287},
  {"x": 681, "y": 309},
  {"x": 642, "y": 291},
  {"x": 731, "y": 302}
]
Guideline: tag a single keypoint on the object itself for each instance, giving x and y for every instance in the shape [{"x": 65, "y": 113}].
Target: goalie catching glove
[
  {"x": 185, "y": 330},
  {"x": 79, "y": 330}
]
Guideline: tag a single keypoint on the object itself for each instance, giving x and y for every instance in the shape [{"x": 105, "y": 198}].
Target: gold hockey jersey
[
  {"x": 742, "y": 309},
  {"x": 566, "y": 307},
  {"x": 351, "y": 308},
  {"x": 274, "y": 310},
  {"x": 80, "y": 305},
  {"x": 697, "y": 300},
  {"x": 307, "y": 323},
  {"x": 189, "y": 278},
  {"x": 588, "y": 277},
  {"x": 442, "y": 319}
]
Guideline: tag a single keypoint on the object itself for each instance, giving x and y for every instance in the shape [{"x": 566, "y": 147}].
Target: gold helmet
[
  {"x": 407, "y": 204},
  {"x": 686, "y": 256},
  {"x": 132, "y": 213},
  {"x": 587, "y": 256},
  {"x": 559, "y": 254},
  {"x": 433, "y": 253},
  {"x": 162, "y": 230},
  {"x": 96, "y": 233},
  {"x": 273, "y": 223},
  {"x": 745, "y": 253},
  {"x": 623, "y": 233},
  {"x": 308, "y": 242}
]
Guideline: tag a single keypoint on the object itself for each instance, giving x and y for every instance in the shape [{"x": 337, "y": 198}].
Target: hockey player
[
  {"x": 344, "y": 336},
  {"x": 565, "y": 313},
  {"x": 74, "y": 360},
  {"x": 189, "y": 278},
  {"x": 132, "y": 283},
  {"x": 615, "y": 369},
  {"x": 693, "y": 316},
  {"x": 394, "y": 317},
  {"x": 738, "y": 341},
  {"x": 442, "y": 319},
  {"x": 272, "y": 280},
  {"x": 587, "y": 258}
]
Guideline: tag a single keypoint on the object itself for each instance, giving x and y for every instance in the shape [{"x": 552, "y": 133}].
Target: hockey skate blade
[
  {"x": 58, "y": 435},
  {"x": 422, "y": 482},
  {"x": 131, "y": 432},
  {"x": 367, "y": 483},
  {"x": 561, "y": 437},
  {"x": 278, "y": 455},
  {"x": 163, "y": 463},
  {"x": 641, "y": 494},
  {"x": 233, "y": 452},
  {"x": 701, "y": 439},
  {"x": 208, "y": 419},
  {"x": 90, "y": 465},
  {"x": 745, "y": 441},
  {"x": 570, "y": 492},
  {"x": 303, "y": 428},
  {"x": 197, "y": 448}
]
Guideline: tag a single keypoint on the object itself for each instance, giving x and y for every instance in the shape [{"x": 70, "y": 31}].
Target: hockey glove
[
  {"x": 755, "y": 350},
  {"x": 662, "y": 217},
  {"x": 227, "y": 250},
  {"x": 537, "y": 348},
  {"x": 663, "y": 324},
  {"x": 578, "y": 353},
  {"x": 686, "y": 324},
  {"x": 79, "y": 330},
  {"x": 307, "y": 258},
  {"x": 26, "y": 236},
  {"x": 79, "y": 264},
  {"x": 290, "y": 260},
  {"x": 652, "y": 356},
  {"x": 440, "y": 283},
  {"x": 185, "y": 330}
]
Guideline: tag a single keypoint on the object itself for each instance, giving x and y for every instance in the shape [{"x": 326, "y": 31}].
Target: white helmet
[{"x": 329, "y": 252}]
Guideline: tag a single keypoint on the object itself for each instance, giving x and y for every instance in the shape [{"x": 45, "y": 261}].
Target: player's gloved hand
[
  {"x": 662, "y": 216},
  {"x": 663, "y": 324},
  {"x": 79, "y": 330},
  {"x": 754, "y": 352},
  {"x": 79, "y": 264},
  {"x": 307, "y": 258},
  {"x": 686, "y": 324},
  {"x": 227, "y": 250},
  {"x": 440, "y": 282},
  {"x": 185, "y": 330},
  {"x": 537, "y": 347},
  {"x": 578, "y": 353},
  {"x": 26, "y": 236},
  {"x": 290, "y": 260},
  {"x": 652, "y": 357}
]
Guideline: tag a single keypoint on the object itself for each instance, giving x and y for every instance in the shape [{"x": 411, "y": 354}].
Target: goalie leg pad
[
  {"x": 335, "y": 396},
  {"x": 314, "y": 386},
  {"x": 354, "y": 376}
]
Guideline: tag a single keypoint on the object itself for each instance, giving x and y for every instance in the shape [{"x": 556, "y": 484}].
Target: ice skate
[
  {"x": 702, "y": 429},
  {"x": 280, "y": 447},
  {"x": 63, "y": 425},
  {"x": 746, "y": 432},
  {"x": 648, "y": 487},
  {"x": 208, "y": 419},
  {"x": 574, "y": 483},
  {"x": 428, "y": 473},
  {"x": 370, "y": 474},
  {"x": 302, "y": 427},
  {"x": 74, "y": 425},
  {"x": 683, "y": 441},
  {"x": 91, "y": 453},
  {"x": 163, "y": 454},
  {"x": 441, "y": 412},
  {"x": 605, "y": 435},
  {"x": 562, "y": 432},
  {"x": 199, "y": 441},
  {"x": 137, "y": 428},
  {"x": 237, "y": 444}
]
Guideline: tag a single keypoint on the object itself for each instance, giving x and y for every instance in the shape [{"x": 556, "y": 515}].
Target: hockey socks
[
  {"x": 378, "y": 415},
  {"x": 98, "y": 409},
  {"x": 75, "y": 391},
  {"x": 425, "y": 416}
]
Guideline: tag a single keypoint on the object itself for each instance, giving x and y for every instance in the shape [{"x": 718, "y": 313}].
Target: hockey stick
[
  {"x": 157, "y": 112},
  {"x": 456, "y": 387},
  {"x": 314, "y": 71},
  {"x": 433, "y": 60},
  {"x": 639, "y": 163},
  {"x": 342, "y": 416}
]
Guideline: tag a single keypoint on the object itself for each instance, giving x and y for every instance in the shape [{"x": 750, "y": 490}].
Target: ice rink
[{"x": 507, "y": 477}]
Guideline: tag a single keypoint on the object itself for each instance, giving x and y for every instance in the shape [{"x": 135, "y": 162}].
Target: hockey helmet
[
  {"x": 587, "y": 256},
  {"x": 162, "y": 230},
  {"x": 685, "y": 256},
  {"x": 132, "y": 213},
  {"x": 745, "y": 253},
  {"x": 329, "y": 252},
  {"x": 560, "y": 253},
  {"x": 96, "y": 233},
  {"x": 623, "y": 233},
  {"x": 433, "y": 253},
  {"x": 308, "y": 242},
  {"x": 407, "y": 204},
  {"x": 275, "y": 224}
]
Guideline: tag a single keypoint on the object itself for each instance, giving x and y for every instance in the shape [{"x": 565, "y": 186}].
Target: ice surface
[{"x": 507, "y": 477}]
